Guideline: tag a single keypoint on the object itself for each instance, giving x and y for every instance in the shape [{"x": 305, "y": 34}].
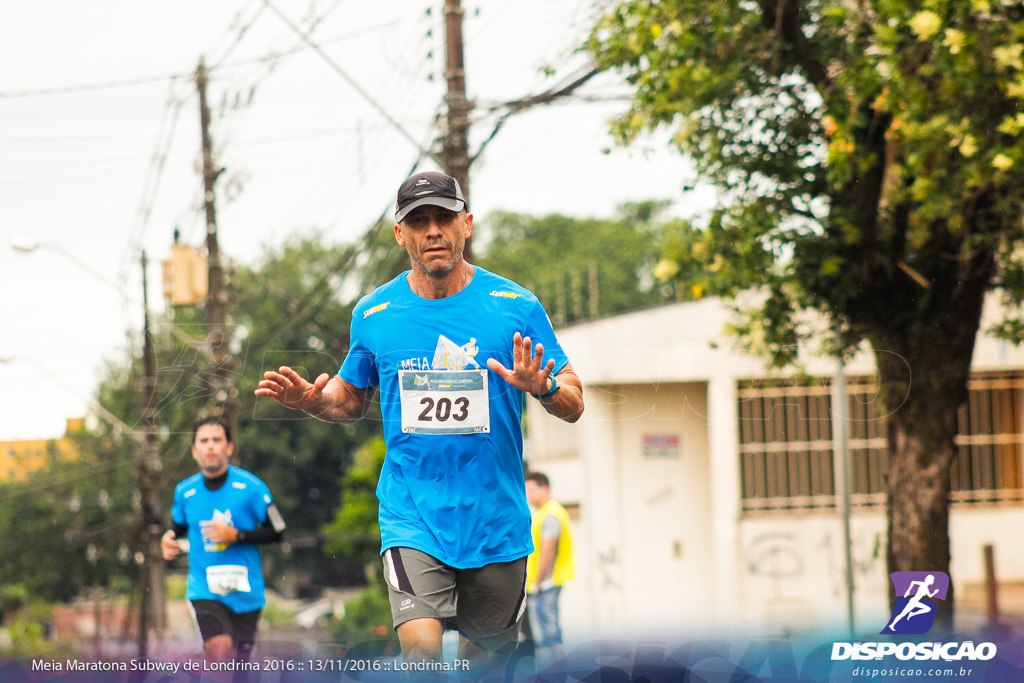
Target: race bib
[
  {"x": 444, "y": 401},
  {"x": 228, "y": 578}
]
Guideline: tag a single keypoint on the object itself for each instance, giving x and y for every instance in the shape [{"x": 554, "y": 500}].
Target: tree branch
[{"x": 782, "y": 17}]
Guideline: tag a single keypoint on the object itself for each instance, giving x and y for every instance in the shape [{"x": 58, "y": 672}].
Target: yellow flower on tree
[
  {"x": 666, "y": 270},
  {"x": 925, "y": 24},
  {"x": 1002, "y": 162},
  {"x": 969, "y": 147},
  {"x": 1009, "y": 56},
  {"x": 954, "y": 40}
]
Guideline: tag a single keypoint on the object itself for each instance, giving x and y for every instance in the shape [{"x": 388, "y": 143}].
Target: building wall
[
  {"x": 793, "y": 572},
  {"x": 662, "y": 544},
  {"x": 19, "y": 458},
  {"x": 651, "y": 521}
]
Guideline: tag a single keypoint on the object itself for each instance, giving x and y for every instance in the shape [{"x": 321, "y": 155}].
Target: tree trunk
[
  {"x": 922, "y": 423},
  {"x": 923, "y": 373}
]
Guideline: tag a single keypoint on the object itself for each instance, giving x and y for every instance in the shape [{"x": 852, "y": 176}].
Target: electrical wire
[
  {"x": 151, "y": 185},
  {"x": 225, "y": 139},
  {"x": 348, "y": 79},
  {"x": 89, "y": 87},
  {"x": 337, "y": 189},
  {"x": 241, "y": 36},
  {"x": 313, "y": 301}
]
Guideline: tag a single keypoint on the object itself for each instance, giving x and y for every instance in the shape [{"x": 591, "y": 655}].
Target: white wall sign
[{"x": 661, "y": 445}]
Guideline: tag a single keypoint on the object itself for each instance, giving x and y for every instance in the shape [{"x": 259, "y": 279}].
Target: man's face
[
  {"x": 212, "y": 450},
  {"x": 434, "y": 238},
  {"x": 536, "y": 495}
]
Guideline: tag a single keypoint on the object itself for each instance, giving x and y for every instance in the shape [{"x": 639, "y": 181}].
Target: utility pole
[
  {"x": 152, "y": 609},
  {"x": 217, "y": 330},
  {"x": 455, "y": 150},
  {"x": 841, "y": 444}
]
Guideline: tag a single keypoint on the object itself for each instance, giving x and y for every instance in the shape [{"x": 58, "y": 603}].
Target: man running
[
  {"x": 454, "y": 521},
  {"x": 221, "y": 514}
]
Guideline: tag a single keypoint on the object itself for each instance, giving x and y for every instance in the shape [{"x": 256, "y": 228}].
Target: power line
[
  {"x": 241, "y": 35},
  {"x": 151, "y": 186},
  {"x": 226, "y": 138},
  {"x": 320, "y": 291},
  {"x": 72, "y": 89},
  {"x": 348, "y": 79},
  {"x": 315, "y": 21},
  {"x": 158, "y": 78},
  {"x": 336, "y": 182}
]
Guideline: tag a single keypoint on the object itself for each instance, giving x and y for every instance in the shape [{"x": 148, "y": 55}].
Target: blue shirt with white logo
[
  {"x": 452, "y": 483},
  {"x": 229, "y": 572}
]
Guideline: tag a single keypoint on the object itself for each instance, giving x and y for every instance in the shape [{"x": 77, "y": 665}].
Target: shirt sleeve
[
  {"x": 550, "y": 527},
  {"x": 359, "y": 367},
  {"x": 262, "y": 501},
  {"x": 538, "y": 329},
  {"x": 271, "y": 524},
  {"x": 178, "y": 509}
]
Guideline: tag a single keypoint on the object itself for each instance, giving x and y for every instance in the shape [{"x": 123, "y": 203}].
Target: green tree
[
  {"x": 561, "y": 259},
  {"x": 65, "y": 526},
  {"x": 354, "y": 533},
  {"x": 22, "y": 622},
  {"x": 869, "y": 161},
  {"x": 286, "y": 309}
]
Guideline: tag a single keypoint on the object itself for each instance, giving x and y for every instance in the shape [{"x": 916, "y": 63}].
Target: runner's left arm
[
  {"x": 531, "y": 374},
  {"x": 266, "y": 533},
  {"x": 270, "y": 531}
]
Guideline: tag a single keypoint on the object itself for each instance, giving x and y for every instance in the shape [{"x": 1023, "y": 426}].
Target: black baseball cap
[{"x": 429, "y": 188}]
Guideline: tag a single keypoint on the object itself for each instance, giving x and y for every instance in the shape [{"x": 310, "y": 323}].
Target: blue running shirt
[
  {"x": 452, "y": 483},
  {"x": 228, "y": 572}
]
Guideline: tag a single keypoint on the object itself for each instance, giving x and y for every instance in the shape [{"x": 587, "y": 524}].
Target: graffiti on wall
[
  {"x": 781, "y": 557},
  {"x": 607, "y": 567}
]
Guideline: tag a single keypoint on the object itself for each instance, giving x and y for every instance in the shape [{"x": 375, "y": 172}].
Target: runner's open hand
[
  {"x": 529, "y": 373},
  {"x": 290, "y": 390}
]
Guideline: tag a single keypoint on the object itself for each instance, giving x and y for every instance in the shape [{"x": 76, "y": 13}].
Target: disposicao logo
[
  {"x": 917, "y": 596},
  {"x": 914, "y": 613}
]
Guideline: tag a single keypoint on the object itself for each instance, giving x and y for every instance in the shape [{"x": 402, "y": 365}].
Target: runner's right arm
[{"x": 328, "y": 399}]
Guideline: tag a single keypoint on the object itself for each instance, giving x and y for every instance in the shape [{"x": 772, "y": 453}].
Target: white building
[{"x": 693, "y": 511}]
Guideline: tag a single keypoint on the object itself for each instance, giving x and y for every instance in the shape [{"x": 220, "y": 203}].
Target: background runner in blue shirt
[
  {"x": 452, "y": 349},
  {"x": 220, "y": 515}
]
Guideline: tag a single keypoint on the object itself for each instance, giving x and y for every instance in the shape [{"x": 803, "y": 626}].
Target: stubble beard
[
  {"x": 441, "y": 270},
  {"x": 213, "y": 470}
]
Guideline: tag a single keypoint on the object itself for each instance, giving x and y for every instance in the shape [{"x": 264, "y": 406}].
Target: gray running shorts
[{"x": 486, "y": 604}]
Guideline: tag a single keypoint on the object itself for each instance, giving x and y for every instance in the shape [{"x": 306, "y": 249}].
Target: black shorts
[
  {"x": 214, "y": 618},
  {"x": 485, "y": 604}
]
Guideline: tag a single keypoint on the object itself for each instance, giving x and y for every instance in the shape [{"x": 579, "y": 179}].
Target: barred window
[
  {"x": 988, "y": 463},
  {"x": 787, "y": 453},
  {"x": 786, "y": 446},
  {"x": 866, "y": 443}
]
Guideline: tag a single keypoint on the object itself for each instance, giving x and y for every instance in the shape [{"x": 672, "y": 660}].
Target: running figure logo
[{"x": 914, "y": 613}]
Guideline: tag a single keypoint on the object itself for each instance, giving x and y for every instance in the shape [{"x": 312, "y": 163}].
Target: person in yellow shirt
[{"x": 549, "y": 567}]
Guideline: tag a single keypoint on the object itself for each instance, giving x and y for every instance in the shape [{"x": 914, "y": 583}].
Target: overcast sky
[{"x": 94, "y": 96}]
